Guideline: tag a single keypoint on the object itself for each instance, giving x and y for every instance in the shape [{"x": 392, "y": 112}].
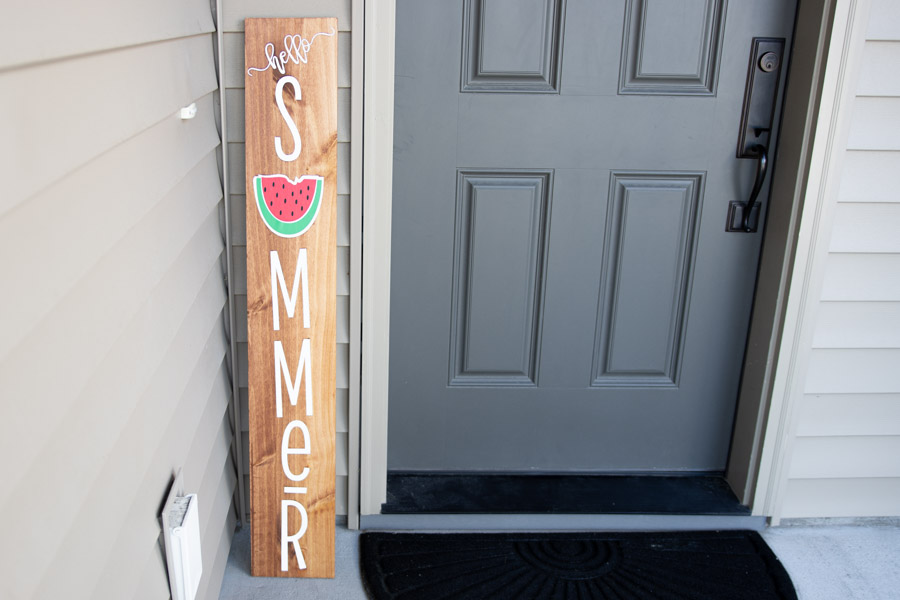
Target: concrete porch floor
[{"x": 828, "y": 559}]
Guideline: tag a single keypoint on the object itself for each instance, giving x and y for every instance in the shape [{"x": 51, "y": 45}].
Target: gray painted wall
[
  {"x": 234, "y": 12},
  {"x": 113, "y": 352}
]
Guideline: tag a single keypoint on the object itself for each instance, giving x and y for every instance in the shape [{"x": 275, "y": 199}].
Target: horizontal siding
[
  {"x": 101, "y": 312},
  {"x": 172, "y": 177},
  {"x": 108, "y": 315},
  {"x": 885, "y": 21},
  {"x": 849, "y": 414},
  {"x": 160, "y": 78},
  {"x": 124, "y": 473},
  {"x": 114, "y": 343},
  {"x": 862, "y": 278},
  {"x": 866, "y": 227},
  {"x": 211, "y": 586},
  {"x": 103, "y": 409},
  {"x": 858, "y": 325},
  {"x": 150, "y": 585},
  {"x": 855, "y": 497},
  {"x": 188, "y": 420},
  {"x": 845, "y": 457},
  {"x": 875, "y": 124},
  {"x": 863, "y": 177},
  {"x": 111, "y": 24},
  {"x": 879, "y": 58},
  {"x": 234, "y": 13},
  {"x": 853, "y": 371},
  {"x": 215, "y": 534}
]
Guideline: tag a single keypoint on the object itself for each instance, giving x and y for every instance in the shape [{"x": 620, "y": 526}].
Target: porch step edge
[{"x": 559, "y": 522}]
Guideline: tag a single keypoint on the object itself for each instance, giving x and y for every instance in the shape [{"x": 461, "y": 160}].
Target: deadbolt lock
[
  {"x": 768, "y": 62},
  {"x": 758, "y": 114}
]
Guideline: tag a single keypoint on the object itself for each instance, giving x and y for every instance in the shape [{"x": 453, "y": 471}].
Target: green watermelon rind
[{"x": 295, "y": 228}]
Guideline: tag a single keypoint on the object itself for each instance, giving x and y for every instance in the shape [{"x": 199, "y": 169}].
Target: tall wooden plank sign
[{"x": 291, "y": 146}]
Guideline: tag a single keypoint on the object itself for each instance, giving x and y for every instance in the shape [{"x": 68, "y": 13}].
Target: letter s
[{"x": 279, "y": 100}]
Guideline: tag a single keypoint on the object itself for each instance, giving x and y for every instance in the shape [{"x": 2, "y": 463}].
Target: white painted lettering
[
  {"x": 287, "y": 450},
  {"x": 296, "y": 50},
  {"x": 294, "y": 538},
  {"x": 290, "y": 300},
  {"x": 304, "y": 370},
  {"x": 289, "y": 121}
]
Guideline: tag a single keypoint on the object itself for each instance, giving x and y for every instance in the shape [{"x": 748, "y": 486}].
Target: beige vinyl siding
[
  {"x": 845, "y": 458},
  {"x": 234, "y": 12},
  {"x": 113, "y": 356}
]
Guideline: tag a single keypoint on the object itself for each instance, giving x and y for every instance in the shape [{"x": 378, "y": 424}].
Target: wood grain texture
[{"x": 315, "y": 115}]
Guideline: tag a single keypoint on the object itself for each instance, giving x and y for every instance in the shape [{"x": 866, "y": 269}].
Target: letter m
[{"x": 290, "y": 300}]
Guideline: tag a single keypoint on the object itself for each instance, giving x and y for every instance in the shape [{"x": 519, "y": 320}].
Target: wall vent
[{"x": 181, "y": 533}]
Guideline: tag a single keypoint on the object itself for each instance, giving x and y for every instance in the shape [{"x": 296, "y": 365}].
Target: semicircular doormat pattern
[{"x": 562, "y": 566}]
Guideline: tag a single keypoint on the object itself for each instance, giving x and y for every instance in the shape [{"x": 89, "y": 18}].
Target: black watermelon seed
[
  {"x": 295, "y": 201},
  {"x": 282, "y": 186},
  {"x": 301, "y": 208},
  {"x": 279, "y": 213},
  {"x": 271, "y": 203},
  {"x": 292, "y": 213}
]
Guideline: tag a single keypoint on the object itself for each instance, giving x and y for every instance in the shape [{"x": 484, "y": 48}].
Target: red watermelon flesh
[{"x": 288, "y": 201}]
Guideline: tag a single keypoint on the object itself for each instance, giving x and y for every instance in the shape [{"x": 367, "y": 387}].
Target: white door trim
[
  {"x": 771, "y": 404},
  {"x": 378, "y": 151}
]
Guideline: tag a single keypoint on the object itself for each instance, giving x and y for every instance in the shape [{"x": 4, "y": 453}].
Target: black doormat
[{"x": 519, "y": 566}]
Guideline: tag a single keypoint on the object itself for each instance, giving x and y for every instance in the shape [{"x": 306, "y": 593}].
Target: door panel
[
  {"x": 564, "y": 294},
  {"x": 646, "y": 277},
  {"x": 671, "y": 47},
  {"x": 499, "y": 262}
]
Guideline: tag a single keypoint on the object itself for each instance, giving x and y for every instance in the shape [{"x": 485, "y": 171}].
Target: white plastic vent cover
[{"x": 181, "y": 531}]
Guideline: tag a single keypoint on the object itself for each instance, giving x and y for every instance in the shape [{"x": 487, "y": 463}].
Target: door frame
[{"x": 827, "y": 33}]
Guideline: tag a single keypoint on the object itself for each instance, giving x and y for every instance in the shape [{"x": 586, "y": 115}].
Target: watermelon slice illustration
[{"x": 288, "y": 207}]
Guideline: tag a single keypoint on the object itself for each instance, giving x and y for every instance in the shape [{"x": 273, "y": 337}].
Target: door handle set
[
  {"x": 762, "y": 165},
  {"x": 757, "y": 116}
]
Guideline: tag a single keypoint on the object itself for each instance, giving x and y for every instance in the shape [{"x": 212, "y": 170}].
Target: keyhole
[{"x": 768, "y": 62}]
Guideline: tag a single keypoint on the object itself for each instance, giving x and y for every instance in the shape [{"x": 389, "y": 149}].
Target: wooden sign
[{"x": 291, "y": 146}]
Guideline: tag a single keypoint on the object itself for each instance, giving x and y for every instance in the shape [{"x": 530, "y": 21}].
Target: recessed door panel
[
  {"x": 646, "y": 279},
  {"x": 498, "y": 277},
  {"x": 672, "y": 46},
  {"x": 511, "y": 45}
]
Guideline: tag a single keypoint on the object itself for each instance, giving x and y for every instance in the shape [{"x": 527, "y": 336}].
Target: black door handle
[{"x": 762, "y": 165}]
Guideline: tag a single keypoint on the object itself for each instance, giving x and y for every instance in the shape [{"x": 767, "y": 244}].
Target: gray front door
[{"x": 564, "y": 294}]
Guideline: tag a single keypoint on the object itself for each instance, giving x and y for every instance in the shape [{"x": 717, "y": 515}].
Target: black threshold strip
[{"x": 467, "y": 493}]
